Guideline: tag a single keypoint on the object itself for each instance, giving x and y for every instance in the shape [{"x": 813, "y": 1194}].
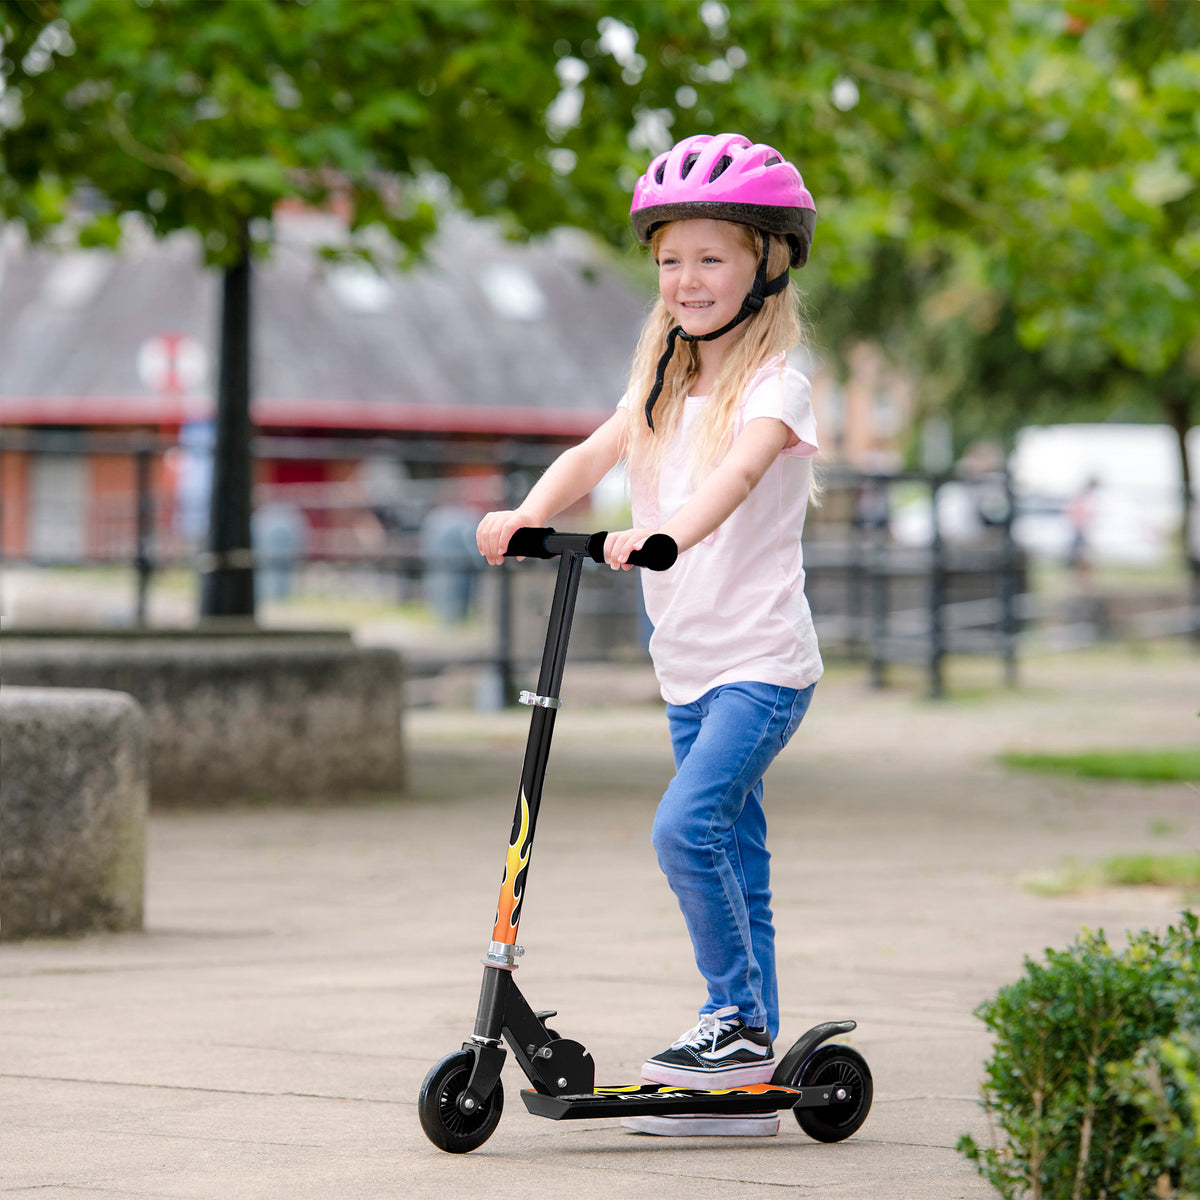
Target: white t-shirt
[{"x": 733, "y": 609}]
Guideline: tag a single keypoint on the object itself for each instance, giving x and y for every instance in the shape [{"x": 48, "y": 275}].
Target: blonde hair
[{"x": 773, "y": 331}]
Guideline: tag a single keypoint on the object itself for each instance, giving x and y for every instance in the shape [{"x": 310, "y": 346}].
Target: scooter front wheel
[
  {"x": 445, "y": 1124},
  {"x": 833, "y": 1067}
]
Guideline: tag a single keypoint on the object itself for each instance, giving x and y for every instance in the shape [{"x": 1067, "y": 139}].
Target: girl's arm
[
  {"x": 568, "y": 478},
  {"x": 726, "y": 486}
]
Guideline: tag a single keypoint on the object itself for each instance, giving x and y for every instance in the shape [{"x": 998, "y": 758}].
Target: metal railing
[{"x": 874, "y": 599}]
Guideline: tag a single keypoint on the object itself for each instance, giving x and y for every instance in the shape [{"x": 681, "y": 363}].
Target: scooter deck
[{"x": 639, "y": 1100}]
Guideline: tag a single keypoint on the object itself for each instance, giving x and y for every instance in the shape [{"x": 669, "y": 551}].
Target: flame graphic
[
  {"x": 751, "y": 1089},
  {"x": 508, "y": 911}
]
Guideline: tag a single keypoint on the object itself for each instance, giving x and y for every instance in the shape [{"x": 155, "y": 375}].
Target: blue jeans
[{"x": 710, "y": 835}]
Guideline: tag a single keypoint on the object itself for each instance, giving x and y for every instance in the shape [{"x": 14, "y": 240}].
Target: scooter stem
[{"x": 503, "y": 951}]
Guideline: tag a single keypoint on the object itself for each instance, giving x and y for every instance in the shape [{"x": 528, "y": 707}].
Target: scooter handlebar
[{"x": 658, "y": 553}]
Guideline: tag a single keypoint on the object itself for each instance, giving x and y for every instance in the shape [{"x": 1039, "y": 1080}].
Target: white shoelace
[{"x": 711, "y": 1026}]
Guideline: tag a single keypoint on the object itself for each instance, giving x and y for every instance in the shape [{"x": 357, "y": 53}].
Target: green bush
[
  {"x": 1162, "y": 1083},
  {"x": 1092, "y": 1089}
]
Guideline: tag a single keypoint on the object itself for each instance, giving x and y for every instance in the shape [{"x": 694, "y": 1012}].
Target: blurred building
[
  {"x": 379, "y": 395},
  {"x": 864, "y": 419},
  {"x": 487, "y": 343}
]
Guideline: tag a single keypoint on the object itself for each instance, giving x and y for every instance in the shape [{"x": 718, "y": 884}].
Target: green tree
[
  {"x": 1008, "y": 190},
  {"x": 204, "y": 114},
  {"x": 1012, "y": 193}
]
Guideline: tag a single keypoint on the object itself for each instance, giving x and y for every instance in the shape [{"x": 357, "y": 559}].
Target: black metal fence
[
  {"x": 403, "y": 511},
  {"x": 884, "y": 601}
]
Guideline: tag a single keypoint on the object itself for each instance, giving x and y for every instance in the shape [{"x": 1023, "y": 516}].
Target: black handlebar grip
[
  {"x": 529, "y": 542},
  {"x": 658, "y": 553}
]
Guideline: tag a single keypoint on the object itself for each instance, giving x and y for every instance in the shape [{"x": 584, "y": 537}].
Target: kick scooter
[{"x": 827, "y": 1087}]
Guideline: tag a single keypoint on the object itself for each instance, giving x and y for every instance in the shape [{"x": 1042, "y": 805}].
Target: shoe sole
[
  {"x": 687, "y": 1125},
  {"x": 653, "y": 1072}
]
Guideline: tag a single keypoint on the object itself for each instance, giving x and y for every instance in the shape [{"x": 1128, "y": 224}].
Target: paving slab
[{"x": 302, "y": 968}]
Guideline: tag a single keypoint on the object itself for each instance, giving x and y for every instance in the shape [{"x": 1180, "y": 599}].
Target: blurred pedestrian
[{"x": 1081, "y": 515}]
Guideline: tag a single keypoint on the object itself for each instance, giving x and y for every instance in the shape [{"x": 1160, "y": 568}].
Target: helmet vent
[
  {"x": 770, "y": 162},
  {"x": 722, "y": 162},
  {"x": 661, "y": 172},
  {"x": 690, "y": 161}
]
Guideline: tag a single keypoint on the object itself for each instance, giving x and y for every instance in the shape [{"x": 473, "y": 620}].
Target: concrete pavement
[{"x": 302, "y": 968}]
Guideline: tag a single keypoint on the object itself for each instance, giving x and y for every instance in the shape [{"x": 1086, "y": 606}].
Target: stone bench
[
  {"x": 233, "y": 718},
  {"x": 73, "y": 795}
]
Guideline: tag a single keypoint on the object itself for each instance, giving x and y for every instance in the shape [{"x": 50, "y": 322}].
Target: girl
[{"x": 718, "y": 435}]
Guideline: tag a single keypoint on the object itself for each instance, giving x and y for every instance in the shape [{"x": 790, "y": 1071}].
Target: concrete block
[
  {"x": 241, "y": 718},
  {"x": 73, "y": 795}
]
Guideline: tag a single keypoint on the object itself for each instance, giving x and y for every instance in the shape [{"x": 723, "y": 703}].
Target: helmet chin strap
[{"x": 755, "y": 299}]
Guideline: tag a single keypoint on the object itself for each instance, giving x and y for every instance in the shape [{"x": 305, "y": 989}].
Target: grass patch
[
  {"x": 1142, "y": 766},
  {"x": 1121, "y": 870},
  {"x": 1159, "y": 870}
]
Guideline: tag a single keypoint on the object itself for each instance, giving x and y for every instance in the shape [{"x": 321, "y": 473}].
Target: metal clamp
[
  {"x": 540, "y": 701},
  {"x": 503, "y": 955}
]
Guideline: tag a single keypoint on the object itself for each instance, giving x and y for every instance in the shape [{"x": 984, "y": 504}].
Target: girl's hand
[
  {"x": 620, "y": 545},
  {"x": 493, "y": 532}
]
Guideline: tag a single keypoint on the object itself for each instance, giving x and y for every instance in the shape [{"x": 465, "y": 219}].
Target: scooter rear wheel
[
  {"x": 831, "y": 1066},
  {"x": 445, "y": 1124}
]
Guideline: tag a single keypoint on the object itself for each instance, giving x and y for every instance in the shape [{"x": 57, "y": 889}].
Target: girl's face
[{"x": 705, "y": 269}]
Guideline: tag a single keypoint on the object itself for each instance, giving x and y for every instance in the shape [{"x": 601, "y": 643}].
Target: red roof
[{"x": 267, "y": 413}]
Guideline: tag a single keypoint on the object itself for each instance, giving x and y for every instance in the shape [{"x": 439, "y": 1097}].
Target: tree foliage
[
  {"x": 204, "y": 114},
  {"x": 1008, "y": 191}
]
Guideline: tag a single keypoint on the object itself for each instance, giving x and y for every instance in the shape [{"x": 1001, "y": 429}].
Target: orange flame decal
[
  {"x": 751, "y": 1089},
  {"x": 747, "y": 1089},
  {"x": 512, "y": 889}
]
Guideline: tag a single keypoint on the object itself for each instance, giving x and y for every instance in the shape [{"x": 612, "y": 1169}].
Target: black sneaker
[{"x": 721, "y": 1051}]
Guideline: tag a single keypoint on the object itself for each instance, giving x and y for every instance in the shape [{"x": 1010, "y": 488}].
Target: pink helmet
[{"x": 727, "y": 177}]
